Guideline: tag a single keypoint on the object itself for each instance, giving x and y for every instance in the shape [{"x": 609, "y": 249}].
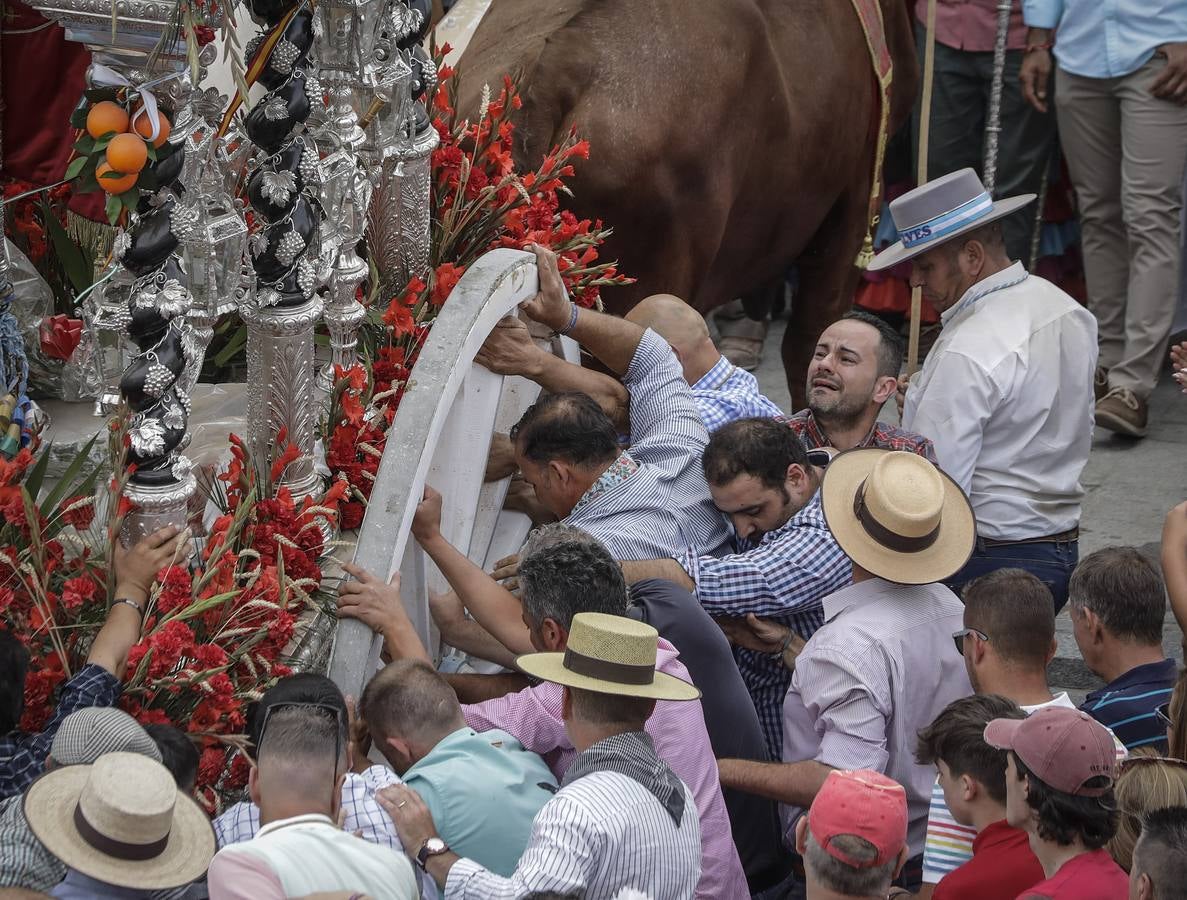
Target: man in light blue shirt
[
  {"x": 1120, "y": 90},
  {"x": 483, "y": 789}
]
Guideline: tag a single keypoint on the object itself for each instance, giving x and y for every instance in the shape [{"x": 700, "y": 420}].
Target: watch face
[{"x": 435, "y": 845}]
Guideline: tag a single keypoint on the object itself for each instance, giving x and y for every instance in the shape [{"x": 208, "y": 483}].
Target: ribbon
[
  {"x": 104, "y": 76},
  {"x": 947, "y": 223},
  {"x": 607, "y": 670},
  {"x": 891, "y": 540}
]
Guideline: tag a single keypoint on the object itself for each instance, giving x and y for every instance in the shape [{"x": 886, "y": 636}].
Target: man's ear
[
  {"x": 968, "y": 788},
  {"x": 336, "y": 797},
  {"x": 400, "y": 747},
  {"x": 1052, "y": 650},
  {"x": 798, "y": 476},
  {"x": 253, "y": 783},
  {"x": 801, "y": 835},
  {"x": 1093, "y": 625},
  {"x": 1145, "y": 887},
  {"x": 884, "y": 388},
  {"x": 900, "y": 862},
  {"x": 553, "y": 635}
]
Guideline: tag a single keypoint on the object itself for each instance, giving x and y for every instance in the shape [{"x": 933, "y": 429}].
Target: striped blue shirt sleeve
[{"x": 666, "y": 427}]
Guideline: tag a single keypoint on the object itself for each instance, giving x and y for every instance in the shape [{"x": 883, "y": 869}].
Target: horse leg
[{"x": 828, "y": 279}]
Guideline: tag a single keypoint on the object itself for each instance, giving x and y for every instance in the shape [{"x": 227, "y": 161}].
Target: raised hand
[{"x": 551, "y": 305}]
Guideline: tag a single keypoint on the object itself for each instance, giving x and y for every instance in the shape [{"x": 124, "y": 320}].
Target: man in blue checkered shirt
[
  {"x": 22, "y": 754},
  {"x": 786, "y": 560}
]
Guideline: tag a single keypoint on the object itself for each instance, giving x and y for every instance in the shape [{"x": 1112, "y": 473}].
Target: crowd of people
[{"x": 744, "y": 653}]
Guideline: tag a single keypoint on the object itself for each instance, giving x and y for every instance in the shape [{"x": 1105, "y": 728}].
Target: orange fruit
[
  {"x": 114, "y": 185},
  {"x": 127, "y": 153},
  {"x": 106, "y": 117},
  {"x": 143, "y": 127}
]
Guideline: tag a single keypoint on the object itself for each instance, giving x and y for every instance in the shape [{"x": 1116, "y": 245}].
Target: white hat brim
[
  {"x": 897, "y": 253},
  {"x": 953, "y": 545},
  {"x": 49, "y": 805}
]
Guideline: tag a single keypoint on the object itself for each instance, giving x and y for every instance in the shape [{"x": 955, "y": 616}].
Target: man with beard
[{"x": 853, "y": 372}]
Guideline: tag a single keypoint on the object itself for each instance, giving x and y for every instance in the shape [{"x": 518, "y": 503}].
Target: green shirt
[{"x": 483, "y": 790}]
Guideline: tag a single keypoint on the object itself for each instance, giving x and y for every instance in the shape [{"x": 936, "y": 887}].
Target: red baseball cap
[
  {"x": 865, "y": 804},
  {"x": 1064, "y": 748}
]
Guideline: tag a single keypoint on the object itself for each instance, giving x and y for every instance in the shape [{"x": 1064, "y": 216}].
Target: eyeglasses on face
[{"x": 959, "y": 636}]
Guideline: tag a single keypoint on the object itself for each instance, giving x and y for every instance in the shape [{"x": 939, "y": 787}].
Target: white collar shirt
[
  {"x": 1006, "y": 395},
  {"x": 882, "y": 667}
]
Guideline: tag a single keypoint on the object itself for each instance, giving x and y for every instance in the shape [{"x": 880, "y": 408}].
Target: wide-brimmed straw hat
[
  {"x": 609, "y": 655},
  {"x": 898, "y": 516},
  {"x": 122, "y": 821},
  {"x": 939, "y": 211}
]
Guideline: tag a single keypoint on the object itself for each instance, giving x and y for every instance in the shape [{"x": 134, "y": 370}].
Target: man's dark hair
[
  {"x": 559, "y": 578},
  {"x": 409, "y": 699},
  {"x": 178, "y": 754},
  {"x": 568, "y": 426},
  {"x": 890, "y": 343},
  {"x": 1125, "y": 590},
  {"x": 760, "y": 447},
  {"x": 304, "y": 688},
  {"x": 1161, "y": 852},
  {"x": 299, "y": 735},
  {"x": 611, "y": 709},
  {"x": 1061, "y": 818},
  {"x": 957, "y": 736},
  {"x": 1017, "y": 611},
  {"x": 14, "y": 665}
]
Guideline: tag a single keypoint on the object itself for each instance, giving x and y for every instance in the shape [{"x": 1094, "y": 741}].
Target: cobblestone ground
[{"x": 1130, "y": 485}]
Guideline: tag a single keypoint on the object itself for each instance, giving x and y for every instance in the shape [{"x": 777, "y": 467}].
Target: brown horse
[{"x": 729, "y": 139}]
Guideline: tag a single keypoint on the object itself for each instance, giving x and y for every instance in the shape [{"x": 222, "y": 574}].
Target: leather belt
[{"x": 1072, "y": 534}]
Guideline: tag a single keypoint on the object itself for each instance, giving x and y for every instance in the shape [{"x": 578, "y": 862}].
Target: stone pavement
[{"x": 1129, "y": 487}]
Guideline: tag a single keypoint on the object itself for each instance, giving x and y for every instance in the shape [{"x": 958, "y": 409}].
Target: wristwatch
[{"x": 433, "y": 846}]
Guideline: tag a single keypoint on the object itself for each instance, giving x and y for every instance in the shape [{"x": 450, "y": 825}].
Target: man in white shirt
[
  {"x": 1006, "y": 392},
  {"x": 300, "y": 849}
]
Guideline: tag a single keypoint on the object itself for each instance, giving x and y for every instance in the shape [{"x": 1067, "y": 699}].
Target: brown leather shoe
[
  {"x": 1122, "y": 411},
  {"x": 1100, "y": 383}
]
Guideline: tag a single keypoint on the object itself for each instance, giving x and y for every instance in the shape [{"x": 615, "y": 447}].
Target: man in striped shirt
[
  {"x": 788, "y": 561},
  {"x": 621, "y": 819},
  {"x": 1118, "y": 603}
]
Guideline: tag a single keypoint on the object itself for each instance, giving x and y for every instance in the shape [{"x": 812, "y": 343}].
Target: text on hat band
[{"x": 946, "y": 223}]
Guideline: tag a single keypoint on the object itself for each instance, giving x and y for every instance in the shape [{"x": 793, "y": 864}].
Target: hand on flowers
[
  {"x": 413, "y": 821},
  {"x": 1171, "y": 83},
  {"x": 426, "y": 521},
  {"x": 551, "y": 305},
  {"x": 136, "y": 567},
  {"x": 1034, "y": 76},
  {"x": 506, "y": 572},
  {"x": 510, "y": 350},
  {"x": 1179, "y": 364},
  {"x": 372, "y": 602}
]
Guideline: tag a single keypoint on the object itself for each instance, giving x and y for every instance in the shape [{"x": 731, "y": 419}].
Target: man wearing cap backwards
[
  {"x": 1006, "y": 392},
  {"x": 1059, "y": 789},
  {"x": 121, "y": 826},
  {"x": 854, "y": 838},
  {"x": 883, "y": 665},
  {"x": 621, "y": 818}
]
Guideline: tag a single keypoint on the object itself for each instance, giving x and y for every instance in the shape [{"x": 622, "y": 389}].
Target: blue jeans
[{"x": 1050, "y": 561}]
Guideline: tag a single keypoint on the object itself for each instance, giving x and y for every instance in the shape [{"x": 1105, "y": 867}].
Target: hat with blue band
[{"x": 939, "y": 211}]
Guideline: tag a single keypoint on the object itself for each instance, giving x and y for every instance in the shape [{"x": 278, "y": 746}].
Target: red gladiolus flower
[
  {"x": 78, "y": 511},
  {"x": 445, "y": 277},
  {"x": 78, "y": 591}
]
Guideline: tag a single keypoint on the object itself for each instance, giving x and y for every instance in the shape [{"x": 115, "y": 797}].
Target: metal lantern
[{"x": 105, "y": 312}]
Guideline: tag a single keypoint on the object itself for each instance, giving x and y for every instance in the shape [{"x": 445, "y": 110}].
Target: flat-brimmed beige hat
[
  {"x": 609, "y": 655},
  {"x": 122, "y": 821},
  {"x": 898, "y": 516}
]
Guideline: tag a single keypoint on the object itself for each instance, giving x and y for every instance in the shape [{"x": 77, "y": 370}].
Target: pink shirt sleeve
[
  {"x": 532, "y": 716},
  {"x": 242, "y": 876}
]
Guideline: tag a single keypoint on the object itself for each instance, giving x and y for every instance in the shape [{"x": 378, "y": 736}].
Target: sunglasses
[
  {"x": 959, "y": 636},
  {"x": 1164, "y": 715},
  {"x": 819, "y": 458},
  {"x": 321, "y": 709}
]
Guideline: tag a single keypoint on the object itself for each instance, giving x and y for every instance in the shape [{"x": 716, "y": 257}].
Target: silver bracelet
[{"x": 132, "y": 603}]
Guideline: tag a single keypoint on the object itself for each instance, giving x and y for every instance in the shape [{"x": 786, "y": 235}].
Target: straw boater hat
[
  {"x": 940, "y": 210},
  {"x": 898, "y": 516},
  {"x": 609, "y": 655},
  {"x": 121, "y": 820}
]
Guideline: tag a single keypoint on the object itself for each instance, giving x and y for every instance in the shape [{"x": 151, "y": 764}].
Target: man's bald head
[{"x": 682, "y": 327}]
